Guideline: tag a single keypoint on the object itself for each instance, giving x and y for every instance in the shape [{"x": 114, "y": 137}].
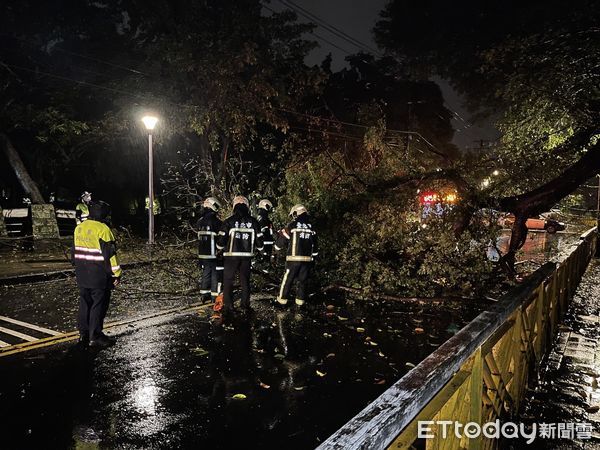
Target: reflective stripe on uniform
[
  {"x": 302, "y": 230},
  {"x": 205, "y": 291},
  {"x": 115, "y": 268},
  {"x": 90, "y": 257},
  {"x": 238, "y": 254},
  {"x": 88, "y": 250},
  {"x": 243, "y": 230},
  {"x": 268, "y": 242},
  {"x": 212, "y": 235},
  {"x": 298, "y": 258},
  {"x": 287, "y": 272}
]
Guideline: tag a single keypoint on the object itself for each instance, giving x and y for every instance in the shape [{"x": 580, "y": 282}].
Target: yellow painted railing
[{"x": 481, "y": 373}]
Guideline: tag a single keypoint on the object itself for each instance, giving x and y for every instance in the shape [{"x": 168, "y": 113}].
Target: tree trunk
[
  {"x": 544, "y": 197},
  {"x": 15, "y": 161}
]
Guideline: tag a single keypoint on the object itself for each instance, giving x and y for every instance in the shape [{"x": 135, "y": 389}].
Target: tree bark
[
  {"x": 15, "y": 161},
  {"x": 547, "y": 195}
]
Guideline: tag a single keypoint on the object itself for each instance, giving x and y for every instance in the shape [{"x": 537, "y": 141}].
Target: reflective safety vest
[
  {"x": 207, "y": 228},
  {"x": 300, "y": 239},
  {"x": 266, "y": 228},
  {"x": 82, "y": 212},
  {"x": 240, "y": 236},
  {"x": 155, "y": 206},
  {"x": 94, "y": 254}
]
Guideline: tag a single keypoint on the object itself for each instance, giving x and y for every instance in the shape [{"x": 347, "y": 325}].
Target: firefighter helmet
[
  {"x": 297, "y": 210},
  {"x": 86, "y": 197},
  {"x": 99, "y": 210},
  {"x": 212, "y": 203},
  {"x": 240, "y": 199},
  {"x": 265, "y": 204}
]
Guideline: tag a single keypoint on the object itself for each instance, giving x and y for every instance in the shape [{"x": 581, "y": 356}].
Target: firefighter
[
  {"x": 301, "y": 241},
  {"x": 82, "y": 211},
  {"x": 94, "y": 254},
  {"x": 266, "y": 227},
  {"x": 210, "y": 261},
  {"x": 239, "y": 237}
]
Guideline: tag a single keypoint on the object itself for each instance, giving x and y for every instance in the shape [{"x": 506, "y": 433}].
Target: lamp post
[{"x": 150, "y": 123}]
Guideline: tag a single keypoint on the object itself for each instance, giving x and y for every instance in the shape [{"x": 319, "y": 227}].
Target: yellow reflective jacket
[
  {"x": 94, "y": 254},
  {"x": 82, "y": 212}
]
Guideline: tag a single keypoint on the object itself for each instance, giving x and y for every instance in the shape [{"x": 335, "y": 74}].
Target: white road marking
[
  {"x": 30, "y": 325},
  {"x": 23, "y": 336},
  {"x": 4, "y": 344}
]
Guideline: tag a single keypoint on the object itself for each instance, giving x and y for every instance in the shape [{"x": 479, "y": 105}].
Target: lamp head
[{"x": 150, "y": 122}]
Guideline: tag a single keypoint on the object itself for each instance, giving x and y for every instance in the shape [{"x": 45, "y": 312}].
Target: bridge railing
[{"x": 481, "y": 373}]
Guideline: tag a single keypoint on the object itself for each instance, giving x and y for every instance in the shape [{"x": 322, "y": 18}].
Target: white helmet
[
  {"x": 212, "y": 203},
  {"x": 86, "y": 196},
  {"x": 265, "y": 204},
  {"x": 297, "y": 210},
  {"x": 240, "y": 199}
]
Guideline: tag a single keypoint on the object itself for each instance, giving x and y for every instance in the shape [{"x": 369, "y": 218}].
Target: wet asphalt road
[{"x": 172, "y": 381}]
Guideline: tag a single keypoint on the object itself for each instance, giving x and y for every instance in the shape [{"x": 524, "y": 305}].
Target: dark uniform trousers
[
  {"x": 295, "y": 271},
  {"x": 234, "y": 264},
  {"x": 211, "y": 277},
  {"x": 93, "y": 305}
]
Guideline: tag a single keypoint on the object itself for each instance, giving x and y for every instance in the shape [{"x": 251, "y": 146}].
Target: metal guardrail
[{"x": 480, "y": 374}]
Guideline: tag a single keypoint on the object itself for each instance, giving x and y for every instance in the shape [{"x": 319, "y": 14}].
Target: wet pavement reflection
[
  {"x": 281, "y": 378},
  {"x": 539, "y": 246}
]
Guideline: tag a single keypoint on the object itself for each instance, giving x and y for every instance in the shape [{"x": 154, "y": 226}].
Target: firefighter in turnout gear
[
  {"x": 94, "y": 255},
  {"x": 211, "y": 261},
  {"x": 82, "y": 211},
  {"x": 239, "y": 238},
  {"x": 266, "y": 227},
  {"x": 301, "y": 241}
]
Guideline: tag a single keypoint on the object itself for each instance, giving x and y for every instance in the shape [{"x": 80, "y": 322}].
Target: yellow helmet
[{"x": 297, "y": 210}]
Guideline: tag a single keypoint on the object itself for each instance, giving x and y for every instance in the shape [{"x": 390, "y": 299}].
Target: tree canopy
[
  {"x": 77, "y": 77},
  {"x": 536, "y": 64}
]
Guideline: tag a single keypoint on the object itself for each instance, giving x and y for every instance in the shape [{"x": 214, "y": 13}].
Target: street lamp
[{"x": 150, "y": 123}]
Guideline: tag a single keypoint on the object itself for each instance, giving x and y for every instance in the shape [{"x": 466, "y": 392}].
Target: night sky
[{"x": 356, "y": 19}]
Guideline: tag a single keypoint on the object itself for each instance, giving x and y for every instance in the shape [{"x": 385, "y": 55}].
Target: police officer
[
  {"x": 301, "y": 241},
  {"x": 266, "y": 227},
  {"x": 94, "y": 254},
  {"x": 239, "y": 237},
  {"x": 82, "y": 211},
  {"x": 211, "y": 264}
]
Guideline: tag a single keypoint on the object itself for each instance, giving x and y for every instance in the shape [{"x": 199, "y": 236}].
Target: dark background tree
[
  {"x": 536, "y": 64},
  {"x": 78, "y": 76}
]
